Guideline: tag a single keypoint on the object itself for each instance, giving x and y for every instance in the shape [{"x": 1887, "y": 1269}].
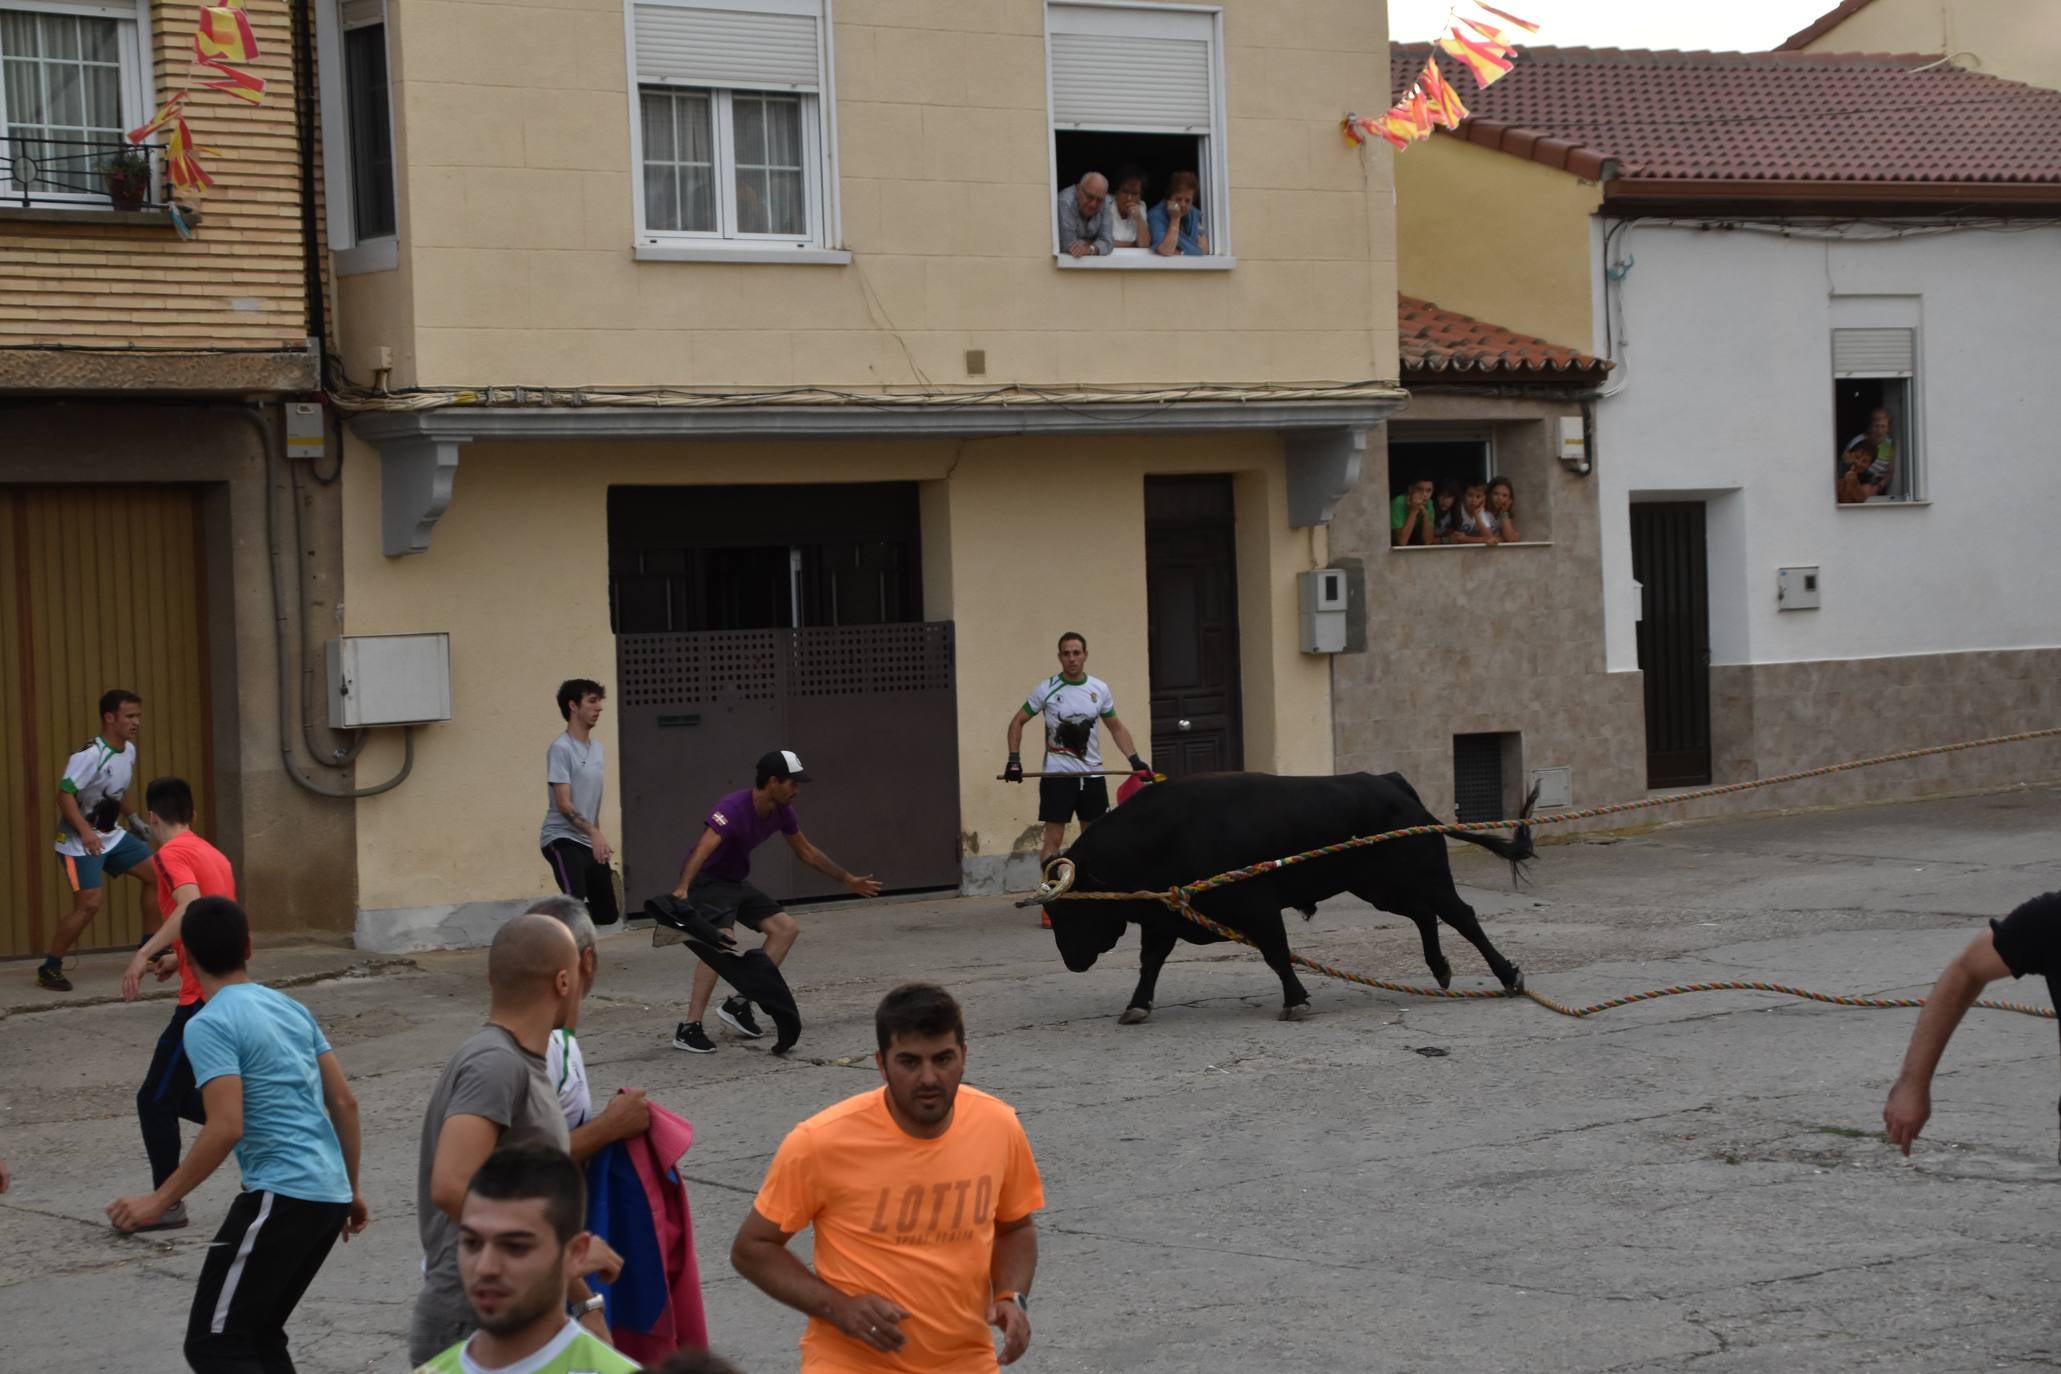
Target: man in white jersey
[
  {"x": 93, "y": 841},
  {"x": 1071, "y": 703}
]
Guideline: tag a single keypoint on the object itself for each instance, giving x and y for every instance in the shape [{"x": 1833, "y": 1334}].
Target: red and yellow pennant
[
  {"x": 223, "y": 44},
  {"x": 1431, "y": 101}
]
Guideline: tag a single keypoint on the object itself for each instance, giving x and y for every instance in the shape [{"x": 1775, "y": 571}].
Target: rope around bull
[{"x": 1179, "y": 899}]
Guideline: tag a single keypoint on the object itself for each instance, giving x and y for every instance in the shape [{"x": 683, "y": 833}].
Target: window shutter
[
  {"x": 771, "y": 49},
  {"x": 1874, "y": 352},
  {"x": 1133, "y": 70}
]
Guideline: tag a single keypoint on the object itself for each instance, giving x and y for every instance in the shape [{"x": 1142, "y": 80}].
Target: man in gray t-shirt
[
  {"x": 575, "y": 769},
  {"x": 494, "y": 1092}
]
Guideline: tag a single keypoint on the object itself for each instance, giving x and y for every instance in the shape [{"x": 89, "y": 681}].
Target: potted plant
[{"x": 127, "y": 174}]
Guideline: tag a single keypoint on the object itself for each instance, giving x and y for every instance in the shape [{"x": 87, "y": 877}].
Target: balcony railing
[{"x": 77, "y": 174}]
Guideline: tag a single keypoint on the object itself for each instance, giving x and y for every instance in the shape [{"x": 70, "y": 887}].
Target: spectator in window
[
  {"x": 1868, "y": 463},
  {"x": 1445, "y": 501},
  {"x": 1502, "y": 502},
  {"x": 1086, "y": 222},
  {"x": 1176, "y": 224},
  {"x": 1474, "y": 522},
  {"x": 1129, "y": 226},
  {"x": 1411, "y": 515}
]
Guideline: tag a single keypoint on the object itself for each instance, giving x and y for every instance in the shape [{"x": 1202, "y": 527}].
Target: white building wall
[{"x": 1724, "y": 391}]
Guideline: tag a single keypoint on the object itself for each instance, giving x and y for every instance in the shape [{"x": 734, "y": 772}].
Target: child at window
[
  {"x": 1474, "y": 522},
  {"x": 1502, "y": 500}
]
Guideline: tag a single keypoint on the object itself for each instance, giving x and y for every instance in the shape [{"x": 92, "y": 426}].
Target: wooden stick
[{"x": 1097, "y": 773}]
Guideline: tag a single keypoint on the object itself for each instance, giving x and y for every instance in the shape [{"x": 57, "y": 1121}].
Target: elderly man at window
[{"x": 1086, "y": 224}]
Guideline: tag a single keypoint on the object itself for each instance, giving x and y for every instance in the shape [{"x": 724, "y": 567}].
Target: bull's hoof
[
  {"x": 1299, "y": 1012},
  {"x": 1515, "y": 982},
  {"x": 1444, "y": 976},
  {"x": 1134, "y": 1016}
]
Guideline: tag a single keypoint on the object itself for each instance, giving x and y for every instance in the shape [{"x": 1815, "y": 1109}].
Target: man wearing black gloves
[{"x": 1071, "y": 703}]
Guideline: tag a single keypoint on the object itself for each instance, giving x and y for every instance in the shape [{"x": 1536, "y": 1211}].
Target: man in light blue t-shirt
[{"x": 275, "y": 1093}]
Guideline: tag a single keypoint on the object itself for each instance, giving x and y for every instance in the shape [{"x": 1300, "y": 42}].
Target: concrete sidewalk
[{"x": 1398, "y": 1184}]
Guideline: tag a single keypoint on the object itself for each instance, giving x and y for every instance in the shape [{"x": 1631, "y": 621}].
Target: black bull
[{"x": 1187, "y": 830}]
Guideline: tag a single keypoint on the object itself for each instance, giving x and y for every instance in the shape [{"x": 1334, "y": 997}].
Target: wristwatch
[
  {"x": 578, "y": 1310},
  {"x": 1022, "y": 1300}
]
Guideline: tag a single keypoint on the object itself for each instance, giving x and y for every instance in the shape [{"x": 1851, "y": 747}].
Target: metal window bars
[{"x": 80, "y": 174}]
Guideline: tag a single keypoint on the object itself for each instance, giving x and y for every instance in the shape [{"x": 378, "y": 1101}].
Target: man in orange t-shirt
[
  {"x": 921, "y": 1195},
  {"x": 188, "y": 868}
]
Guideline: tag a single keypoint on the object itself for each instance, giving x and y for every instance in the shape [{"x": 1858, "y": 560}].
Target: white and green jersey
[
  {"x": 1071, "y": 709},
  {"x": 96, "y": 774},
  {"x": 572, "y": 1351}
]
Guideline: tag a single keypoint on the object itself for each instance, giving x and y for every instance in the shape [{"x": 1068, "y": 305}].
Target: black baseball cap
[{"x": 782, "y": 764}]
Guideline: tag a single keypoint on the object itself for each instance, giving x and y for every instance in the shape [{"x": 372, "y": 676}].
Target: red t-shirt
[{"x": 188, "y": 859}]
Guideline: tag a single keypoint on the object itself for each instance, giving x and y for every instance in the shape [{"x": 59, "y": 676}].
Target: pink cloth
[{"x": 654, "y": 1155}]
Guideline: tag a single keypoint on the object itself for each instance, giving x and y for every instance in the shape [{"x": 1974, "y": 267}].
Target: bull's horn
[{"x": 1059, "y": 876}]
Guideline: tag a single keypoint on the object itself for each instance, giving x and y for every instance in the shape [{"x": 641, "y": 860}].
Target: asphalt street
[{"x": 1396, "y": 1184}]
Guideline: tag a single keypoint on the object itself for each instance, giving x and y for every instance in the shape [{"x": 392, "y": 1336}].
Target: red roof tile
[
  {"x": 1437, "y": 343},
  {"x": 1882, "y": 124},
  {"x": 1823, "y": 24}
]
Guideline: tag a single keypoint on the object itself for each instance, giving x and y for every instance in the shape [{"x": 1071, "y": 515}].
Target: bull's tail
[{"x": 1518, "y": 848}]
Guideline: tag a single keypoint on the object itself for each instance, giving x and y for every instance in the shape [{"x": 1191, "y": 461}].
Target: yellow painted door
[{"x": 100, "y": 587}]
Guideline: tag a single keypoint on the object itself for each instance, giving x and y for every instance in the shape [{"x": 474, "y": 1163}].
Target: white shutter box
[
  {"x": 770, "y": 49},
  {"x": 1874, "y": 352},
  {"x": 1134, "y": 69},
  {"x": 1100, "y": 81},
  {"x": 358, "y": 13}
]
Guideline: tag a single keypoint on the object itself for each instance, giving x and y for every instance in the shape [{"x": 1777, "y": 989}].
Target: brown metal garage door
[
  {"x": 871, "y": 710},
  {"x": 99, "y": 587}
]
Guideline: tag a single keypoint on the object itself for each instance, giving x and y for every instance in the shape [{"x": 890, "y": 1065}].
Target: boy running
[
  {"x": 93, "y": 810},
  {"x": 188, "y": 868},
  {"x": 276, "y": 1095}
]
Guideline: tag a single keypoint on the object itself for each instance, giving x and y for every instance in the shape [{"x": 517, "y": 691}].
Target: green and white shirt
[
  {"x": 574, "y": 1350},
  {"x": 95, "y": 774},
  {"x": 1071, "y": 711}
]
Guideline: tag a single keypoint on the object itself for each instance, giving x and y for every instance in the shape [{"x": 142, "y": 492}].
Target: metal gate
[
  {"x": 871, "y": 709},
  {"x": 100, "y": 587},
  {"x": 1668, "y": 559}
]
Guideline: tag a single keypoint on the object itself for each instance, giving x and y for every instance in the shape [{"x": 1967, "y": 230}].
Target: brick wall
[{"x": 81, "y": 280}]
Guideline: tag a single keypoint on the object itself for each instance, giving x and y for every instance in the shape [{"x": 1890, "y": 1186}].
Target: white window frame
[
  {"x": 350, "y": 255},
  {"x": 1215, "y": 173},
  {"x": 138, "y": 93},
  {"x": 820, "y": 244},
  {"x": 1889, "y": 312}
]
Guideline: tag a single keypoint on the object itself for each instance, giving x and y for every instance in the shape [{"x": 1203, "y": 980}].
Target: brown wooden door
[
  {"x": 100, "y": 586},
  {"x": 1674, "y": 640},
  {"x": 1191, "y": 587}
]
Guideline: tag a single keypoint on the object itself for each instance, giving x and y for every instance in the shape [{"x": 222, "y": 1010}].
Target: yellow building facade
[{"x": 653, "y": 265}]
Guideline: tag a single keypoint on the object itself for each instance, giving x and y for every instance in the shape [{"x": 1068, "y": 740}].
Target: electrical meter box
[
  {"x": 1796, "y": 589},
  {"x": 1321, "y": 598},
  {"x": 389, "y": 680}
]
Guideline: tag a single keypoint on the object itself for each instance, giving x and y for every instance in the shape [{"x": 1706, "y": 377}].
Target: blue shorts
[{"x": 85, "y": 870}]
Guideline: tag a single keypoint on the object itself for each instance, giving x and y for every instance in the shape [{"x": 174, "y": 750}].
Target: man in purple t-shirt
[{"x": 716, "y": 882}]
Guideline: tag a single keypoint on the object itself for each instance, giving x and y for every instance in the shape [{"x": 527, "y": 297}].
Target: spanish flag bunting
[
  {"x": 1490, "y": 33},
  {"x": 225, "y": 33},
  {"x": 240, "y": 84},
  {"x": 1397, "y": 124},
  {"x": 1446, "y": 106},
  {"x": 1508, "y": 18},
  {"x": 1415, "y": 108},
  {"x": 180, "y": 162},
  {"x": 1485, "y": 60}
]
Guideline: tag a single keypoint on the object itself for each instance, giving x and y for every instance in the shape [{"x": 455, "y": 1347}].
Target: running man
[
  {"x": 1071, "y": 703},
  {"x": 188, "y": 868},
  {"x": 277, "y": 1096},
  {"x": 574, "y": 770},
  {"x": 93, "y": 839},
  {"x": 716, "y": 882},
  {"x": 922, "y": 1195}
]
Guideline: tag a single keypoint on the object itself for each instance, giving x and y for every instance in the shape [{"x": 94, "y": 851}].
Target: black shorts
[
  {"x": 262, "y": 1261},
  {"x": 723, "y": 903},
  {"x": 1062, "y": 798},
  {"x": 579, "y": 874}
]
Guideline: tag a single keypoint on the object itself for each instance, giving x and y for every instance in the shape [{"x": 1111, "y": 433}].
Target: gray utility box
[
  {"x": 1320, "y": 596},
  {"x": 389, "y": 680}
]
